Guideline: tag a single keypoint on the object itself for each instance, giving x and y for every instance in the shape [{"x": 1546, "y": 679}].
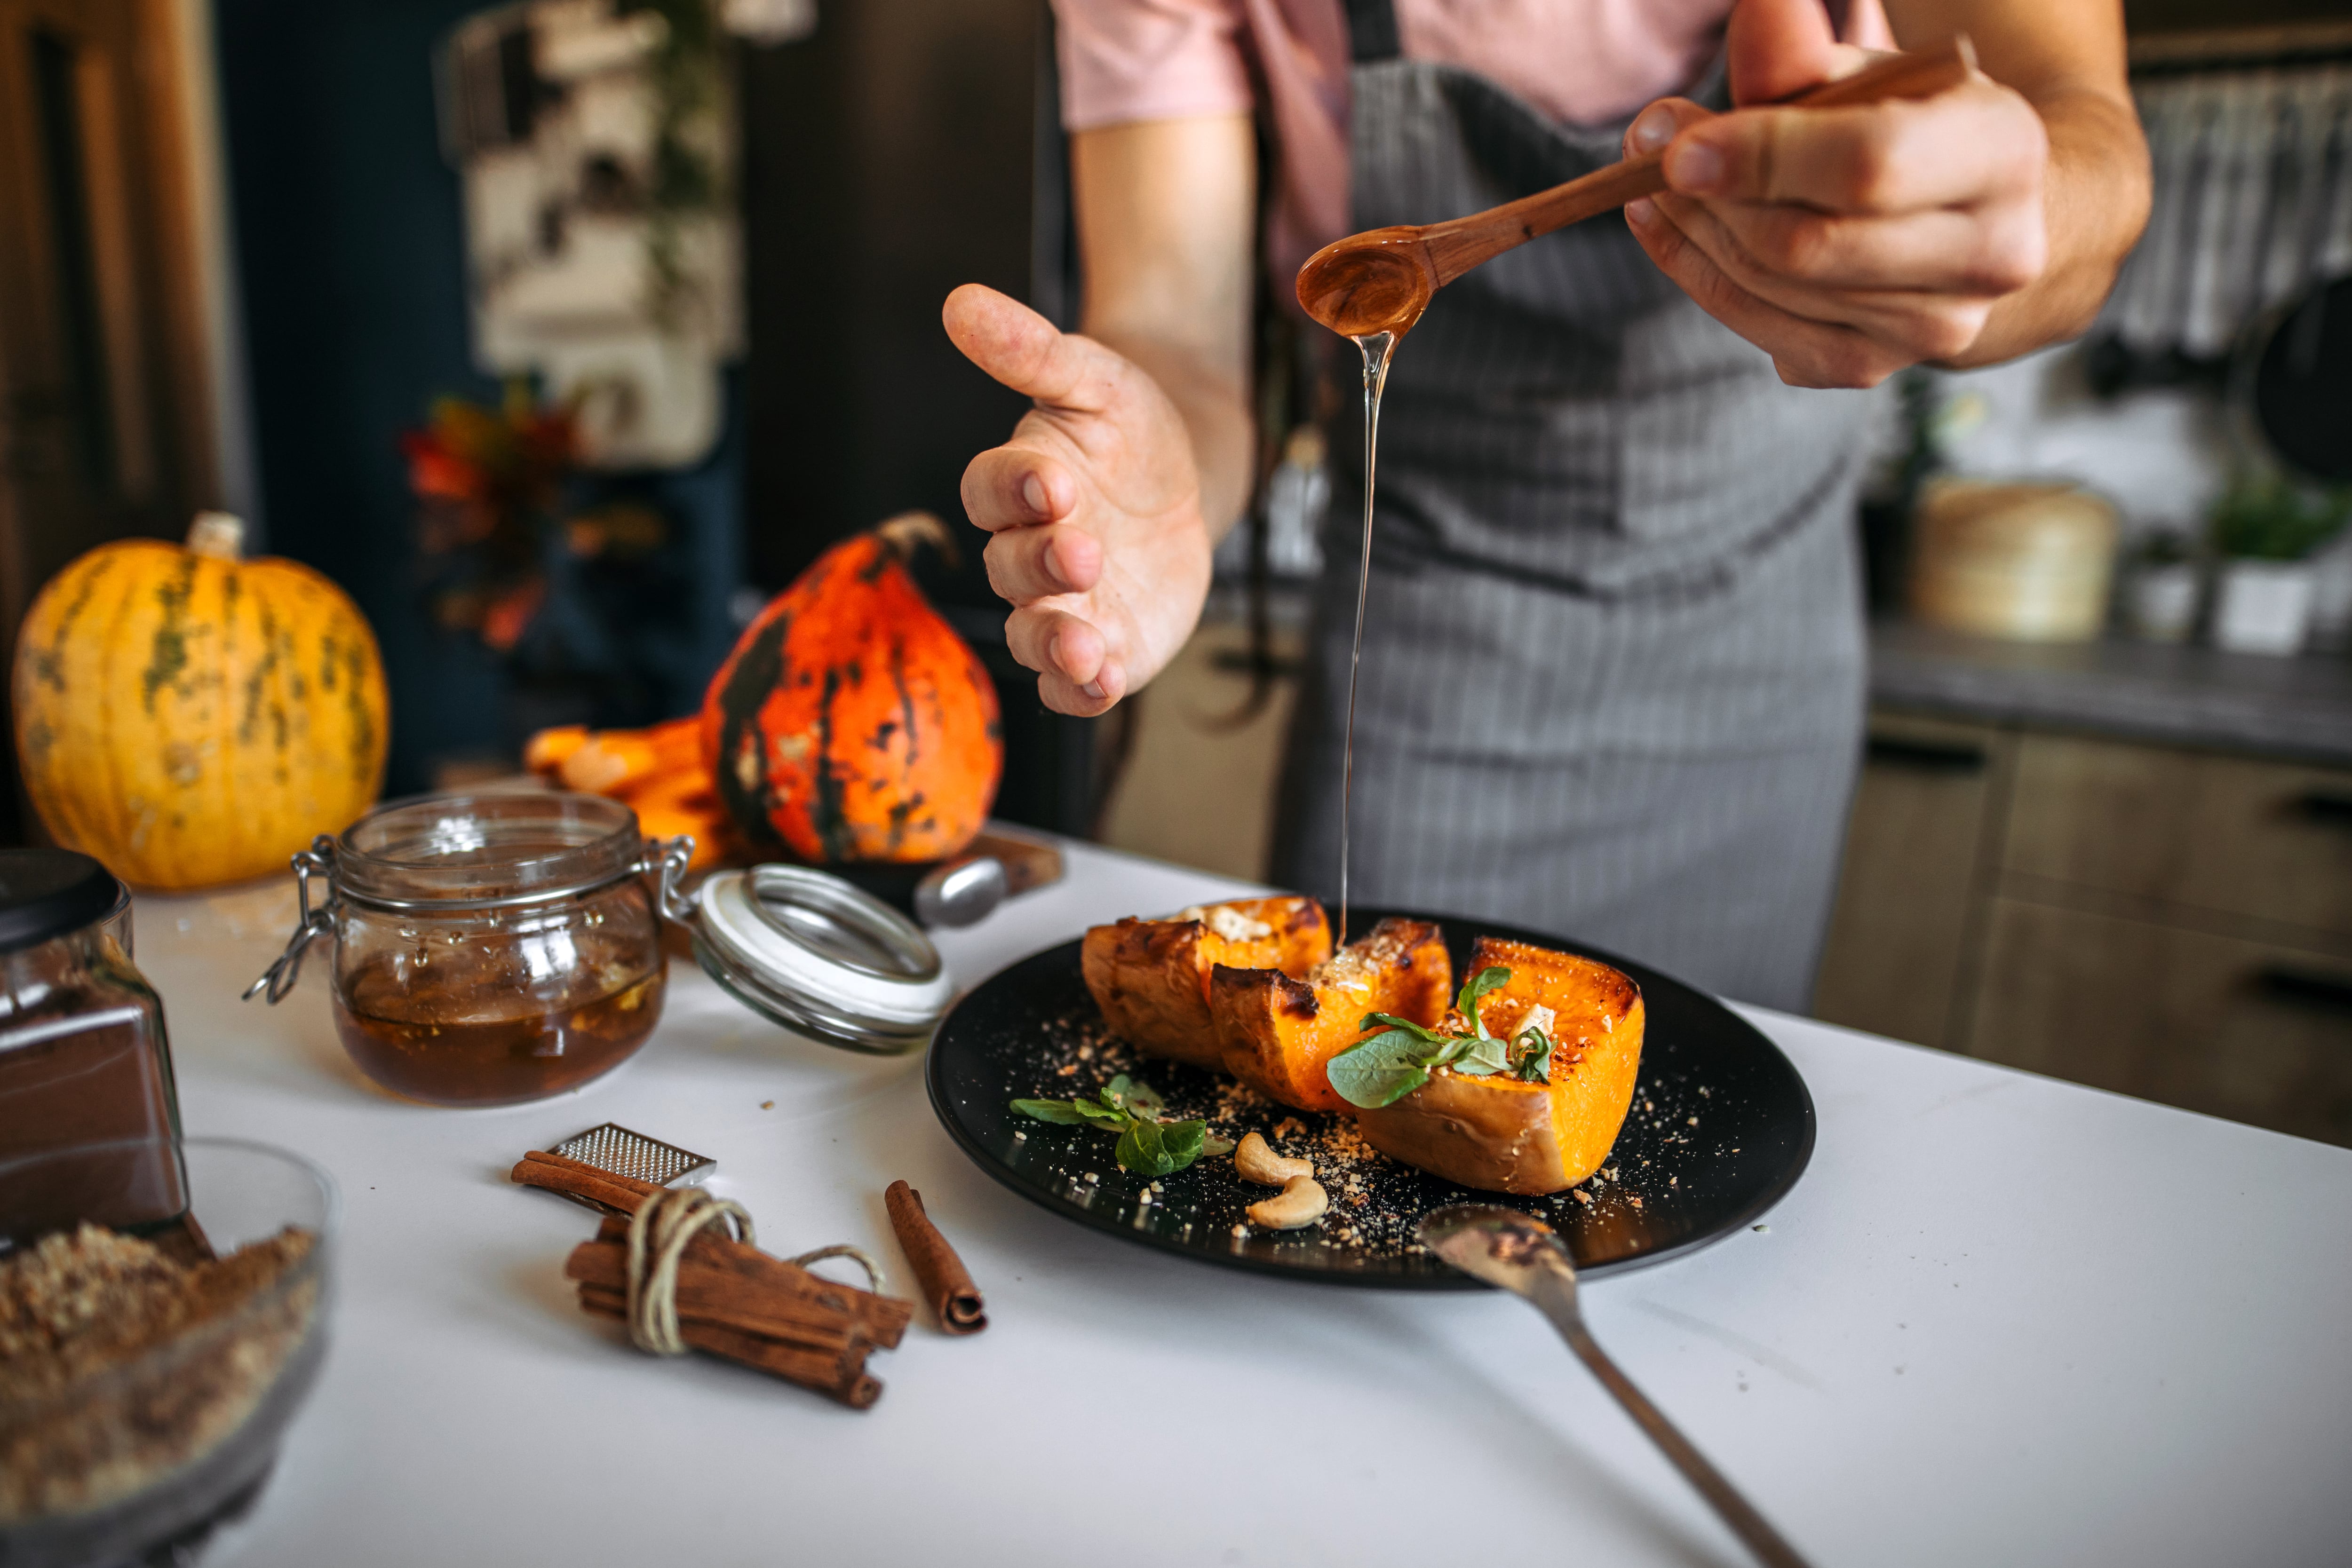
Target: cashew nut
[
  {"x": 1300, "y": 1202},
  {"x": 1254, "y": 1161}
]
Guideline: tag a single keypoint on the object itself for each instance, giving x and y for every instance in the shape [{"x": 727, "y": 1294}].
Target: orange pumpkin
[
  {"x": 657, "y": 772},
  {"x": 188, "y": 717},
  {"x": 851, "y": 722}
]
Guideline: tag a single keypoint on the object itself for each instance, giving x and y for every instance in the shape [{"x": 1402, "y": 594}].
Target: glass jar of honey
[
  {"x": 83, "y": 1056},
  {"x": 492, "y": 948}
]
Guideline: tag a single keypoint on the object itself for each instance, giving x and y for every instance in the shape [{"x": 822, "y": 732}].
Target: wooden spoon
[{"x": 1382, "y": 279}]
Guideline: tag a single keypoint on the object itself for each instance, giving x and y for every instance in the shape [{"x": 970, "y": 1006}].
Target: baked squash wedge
[
  {"x": 1150, "y": 978},
  {"x": 1507, "y": 1115},
  {"x": 1277, "y": 1031}
]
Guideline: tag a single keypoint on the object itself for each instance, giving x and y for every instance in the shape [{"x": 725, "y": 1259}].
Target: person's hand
[
  {"x": 1845, "y": 243},
  {"x": 1095, "y": 506}
]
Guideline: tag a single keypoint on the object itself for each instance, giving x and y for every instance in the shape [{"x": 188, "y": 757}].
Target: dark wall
[
  {"x": 890, "y": 157},
  {"x": 887, "y": 159},
  {"x": 352, "y": 260}
]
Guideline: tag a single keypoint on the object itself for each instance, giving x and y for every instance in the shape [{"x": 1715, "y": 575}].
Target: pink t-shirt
[{"x": 1585, "y": 62}]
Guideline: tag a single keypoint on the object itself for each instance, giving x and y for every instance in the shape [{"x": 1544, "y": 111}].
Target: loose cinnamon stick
[
  {"x": 947, "y": 1284},
  {"x": 620, "y": 1194},
  {"x": 840, "y": 1374},
  {"x": 885, "y": 1317}
]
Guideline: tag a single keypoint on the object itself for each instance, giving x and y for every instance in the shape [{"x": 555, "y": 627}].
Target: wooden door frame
[{"x": 128, "y": 64}]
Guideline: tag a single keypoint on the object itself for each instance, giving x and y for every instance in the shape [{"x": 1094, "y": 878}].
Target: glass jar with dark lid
[
  {"x": 83, "y": 1054},
  {"x": 490, "y": 948}
]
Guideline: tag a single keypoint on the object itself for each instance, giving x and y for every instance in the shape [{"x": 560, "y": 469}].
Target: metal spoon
[
  {"x": 961, "y": 892},
  {"x": 1381, "y": 281},
  {"x": 1524, "y": 1255}
]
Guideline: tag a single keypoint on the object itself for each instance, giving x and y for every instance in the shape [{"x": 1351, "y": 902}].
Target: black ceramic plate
[{"x": 1721, "y": 1128}]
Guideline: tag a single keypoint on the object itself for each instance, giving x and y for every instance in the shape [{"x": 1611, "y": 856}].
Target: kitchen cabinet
[
  {"x": 2262, "y": 840},
  {"x": 2166, "y": 922},
  {"x": 1913, "y": 847}
]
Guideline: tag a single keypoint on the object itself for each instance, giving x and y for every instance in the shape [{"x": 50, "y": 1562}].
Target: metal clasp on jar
[
  {"x": 665, "y": 858},
  {"x": 279, "y": 977}
]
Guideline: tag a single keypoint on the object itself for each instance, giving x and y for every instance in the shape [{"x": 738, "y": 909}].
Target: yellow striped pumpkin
[{"x": 190, "y": 717}]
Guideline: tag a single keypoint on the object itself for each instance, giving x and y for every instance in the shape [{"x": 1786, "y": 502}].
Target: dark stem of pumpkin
[{"x": 911, "y": 531}]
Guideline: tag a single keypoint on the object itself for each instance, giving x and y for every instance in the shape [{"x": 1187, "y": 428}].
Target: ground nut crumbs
[
  {"x": 1376, "y": 1201},
  {"x": 78, "y": 1315}
]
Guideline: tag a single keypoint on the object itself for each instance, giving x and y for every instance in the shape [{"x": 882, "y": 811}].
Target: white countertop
[{"x": 2002, "y": 1320}]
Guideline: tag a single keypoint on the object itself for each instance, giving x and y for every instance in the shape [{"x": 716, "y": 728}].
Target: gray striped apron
[{"x": 1613, "y": 657}]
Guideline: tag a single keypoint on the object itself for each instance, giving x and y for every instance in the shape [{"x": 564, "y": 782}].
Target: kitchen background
[{"x": 246, "y": 247}]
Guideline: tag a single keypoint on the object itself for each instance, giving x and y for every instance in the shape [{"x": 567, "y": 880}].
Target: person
[{"x": 1612, "y": 672}]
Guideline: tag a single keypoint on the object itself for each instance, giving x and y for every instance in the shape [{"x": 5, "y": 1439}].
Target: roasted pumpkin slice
[
  {"x": 1150, "y": 978},
  {"x": 1501, "y": 1132},
  {"x": 1279, "y": 1030}
]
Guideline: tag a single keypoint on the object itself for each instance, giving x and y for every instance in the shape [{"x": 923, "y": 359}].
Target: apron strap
[{"x": 1372, "y": 31}]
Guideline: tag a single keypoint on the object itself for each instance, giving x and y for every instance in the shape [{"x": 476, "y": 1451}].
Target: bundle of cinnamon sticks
[{"x": 733, "y": 1300}]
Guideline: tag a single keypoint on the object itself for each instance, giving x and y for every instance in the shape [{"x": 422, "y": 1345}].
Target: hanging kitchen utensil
[{"x": 2300, "y": 387}]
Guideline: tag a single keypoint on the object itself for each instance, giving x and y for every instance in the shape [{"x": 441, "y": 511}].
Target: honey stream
[{"x": 1376, "y": 347}]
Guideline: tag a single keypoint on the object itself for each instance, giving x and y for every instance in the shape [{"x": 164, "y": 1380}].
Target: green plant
[
  {"x": 1147, "y": 1145},
  {"x": 1391, "y": 1064},
  {"x": 2267, "y": 517}
]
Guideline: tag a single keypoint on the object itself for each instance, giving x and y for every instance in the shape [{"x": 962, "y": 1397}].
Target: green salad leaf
[
  {"x": 1382, "y": 1070},
  {"x": 1531, "y": 1056},
  {"x": 1147, "y": 1145},
  {"x": 1059, "y": 1111},
  {"x": 1487, "y": 979},
  {"x": 1482, "y": 1059},
  {"x": 1386, "y": 1067}
]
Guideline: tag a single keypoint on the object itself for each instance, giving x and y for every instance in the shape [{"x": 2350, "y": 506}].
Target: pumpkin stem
[
  {"x": 908, "y": 531},
  {"x": 220, "y": 535}
]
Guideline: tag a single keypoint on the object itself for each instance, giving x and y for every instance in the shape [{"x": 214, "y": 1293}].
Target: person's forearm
[
  {"x": 1167, "y": 218},
  {"x": 2095, "y": 201}
]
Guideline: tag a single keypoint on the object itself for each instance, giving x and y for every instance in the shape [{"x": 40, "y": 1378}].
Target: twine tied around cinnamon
[
  {"x": 661, "y": 1227},
  {"x": 658, "y": 1233}
]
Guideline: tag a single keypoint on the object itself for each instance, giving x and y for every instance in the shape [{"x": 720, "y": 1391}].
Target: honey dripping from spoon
[{"x": 1376, "y": 347}]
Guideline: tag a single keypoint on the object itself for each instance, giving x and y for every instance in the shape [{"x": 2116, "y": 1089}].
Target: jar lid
[
  {"x": 811, "y": 952},
  {"x": 47, "y": 894}
]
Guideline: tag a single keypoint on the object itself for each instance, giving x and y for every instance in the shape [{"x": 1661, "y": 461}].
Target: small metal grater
[{"x": 612, "y": 1147}]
